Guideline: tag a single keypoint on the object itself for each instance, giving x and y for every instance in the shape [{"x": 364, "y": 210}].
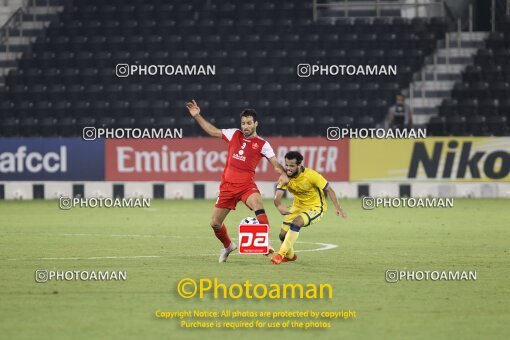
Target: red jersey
[{"x": 243, "y": 155}]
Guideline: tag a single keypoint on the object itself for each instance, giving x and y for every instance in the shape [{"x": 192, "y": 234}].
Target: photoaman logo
[{"x": 188, "y": 288}]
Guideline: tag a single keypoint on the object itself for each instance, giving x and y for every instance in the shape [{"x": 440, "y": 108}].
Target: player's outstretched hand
[
  {"x": 341, "y": 212},
  {"x": 193, "y": 108}
]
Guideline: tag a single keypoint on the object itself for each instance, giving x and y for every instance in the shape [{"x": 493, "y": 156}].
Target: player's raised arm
[
  {"x": 194, "y": 111},
  {"x": 332, "y": 197},
  {"x": 278, "y": 202}
]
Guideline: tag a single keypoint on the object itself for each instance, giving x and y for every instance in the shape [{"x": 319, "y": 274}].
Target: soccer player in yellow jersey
[{"x": 308, "y": 187}]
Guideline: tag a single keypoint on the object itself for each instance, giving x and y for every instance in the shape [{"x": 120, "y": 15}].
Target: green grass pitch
[{"x": 474, "y": 235}]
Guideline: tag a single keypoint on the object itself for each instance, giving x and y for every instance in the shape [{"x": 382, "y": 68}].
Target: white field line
[{"x": 322, "y": 247}]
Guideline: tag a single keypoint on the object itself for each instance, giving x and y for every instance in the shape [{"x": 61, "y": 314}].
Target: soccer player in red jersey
[{"x": 245, "y": 149}]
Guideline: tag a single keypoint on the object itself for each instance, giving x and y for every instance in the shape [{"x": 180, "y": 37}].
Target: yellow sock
[
  {"x": 290, "y": 253},
  {"x": 288, "y": 243}
]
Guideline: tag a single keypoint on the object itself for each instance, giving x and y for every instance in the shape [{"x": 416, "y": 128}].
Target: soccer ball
[{"x": 249, "y": 220}]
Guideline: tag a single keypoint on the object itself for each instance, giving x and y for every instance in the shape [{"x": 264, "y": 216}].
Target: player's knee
[
  {"x": 298, "y": 221},
  {"x": 215, "y": 224},
  {"x": 255, "y": 203}
]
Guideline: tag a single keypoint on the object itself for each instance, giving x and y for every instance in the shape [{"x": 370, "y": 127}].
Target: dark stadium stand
[
  {"x": 480, "y": 103},
  {"x": 68, "y": 79}
]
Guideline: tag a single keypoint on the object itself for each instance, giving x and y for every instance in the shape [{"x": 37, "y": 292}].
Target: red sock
[
  {"x": 222, "y": 235},
  {"x": 262, "y": 218}
]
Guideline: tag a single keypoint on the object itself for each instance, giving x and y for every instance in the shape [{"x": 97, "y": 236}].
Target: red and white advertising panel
[{"x": 203, "y": 159}]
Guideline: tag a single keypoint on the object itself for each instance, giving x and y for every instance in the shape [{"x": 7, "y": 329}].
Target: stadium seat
[
  {"x": 304, "y": 124},
  {"x": 189, "y": 126},
  {"x": 67, "y": 126},
  {"x": 323, "y": 123},
  {"x": 497, "y": 126},
  {"x": 124, "y": 122},
  {"x": 267, "y": 126},
  {"x": 165, "y": 122},
  {"x": 344, "y": 121},
  {"x": 145, "y": 122},
  {"x": 286, "y": 125},
  {"x": 437, "y": 126},
  {"x": 364, "y": 122},
  {"x": 105, "y": 122},
  {"x": 48, "y": 127},
  {"x": 476, "y": 125},
  {"x": 456, "y": 125},
  {"x": 10, "y": 127}
]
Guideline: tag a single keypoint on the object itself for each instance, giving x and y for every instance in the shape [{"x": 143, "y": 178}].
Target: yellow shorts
[{"x": 309, "y": 216}]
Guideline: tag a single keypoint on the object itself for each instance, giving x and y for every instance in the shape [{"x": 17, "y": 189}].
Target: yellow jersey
[{"x": 308, "y": 189}]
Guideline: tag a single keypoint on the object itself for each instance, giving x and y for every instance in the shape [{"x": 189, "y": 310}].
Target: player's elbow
[
  {"x": 214, "y": 133},
  {"x": 277, "y": 199},
  {"x": 217, "y": 133},
  {"x": 330, "y": 192}
]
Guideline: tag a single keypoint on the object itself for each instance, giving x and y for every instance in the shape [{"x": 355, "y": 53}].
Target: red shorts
[{"x": 231, "y": 193}]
